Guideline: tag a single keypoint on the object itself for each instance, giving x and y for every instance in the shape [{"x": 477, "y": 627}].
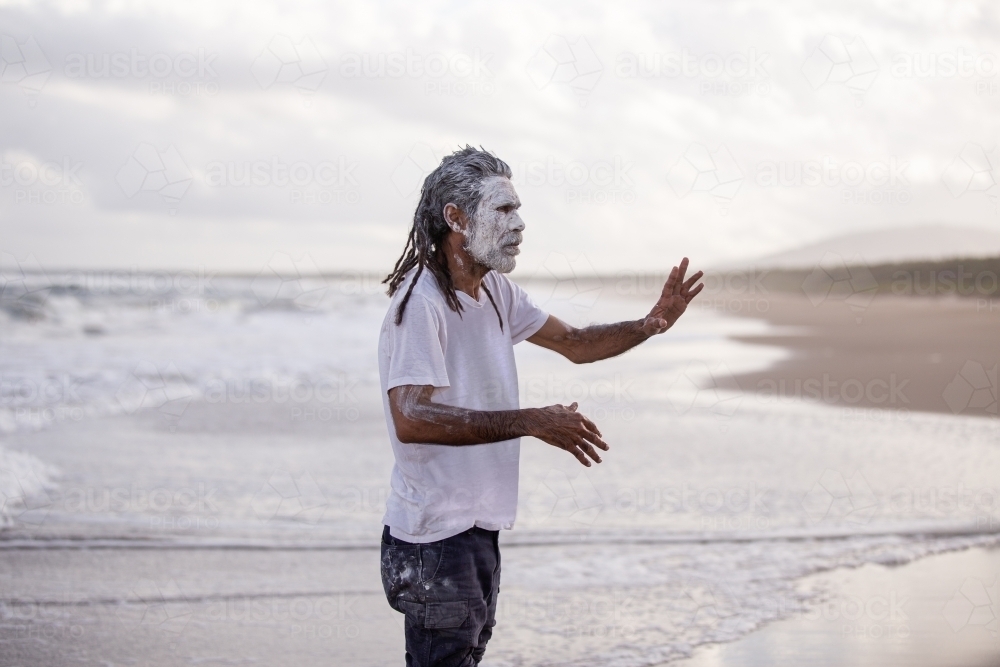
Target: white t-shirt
[{"x": 437, "y": 491}]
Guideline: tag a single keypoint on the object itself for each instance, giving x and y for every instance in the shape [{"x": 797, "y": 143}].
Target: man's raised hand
[{"x": 676, "y": 295}]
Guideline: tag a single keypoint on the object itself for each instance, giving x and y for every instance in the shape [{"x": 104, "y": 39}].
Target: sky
[{"x": 219, "y": 135}]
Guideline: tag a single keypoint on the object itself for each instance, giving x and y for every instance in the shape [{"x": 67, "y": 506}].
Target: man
[{"x": 449, "y": 389}]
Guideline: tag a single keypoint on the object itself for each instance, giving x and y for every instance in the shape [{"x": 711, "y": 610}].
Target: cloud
[{"x": 225, "y": 91}]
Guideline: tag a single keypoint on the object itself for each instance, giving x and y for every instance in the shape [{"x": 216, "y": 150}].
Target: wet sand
[
  {"x": 897, "y": 353},
  {"x": 319, "y": 608},
  {"x": 941, "y": 611}
]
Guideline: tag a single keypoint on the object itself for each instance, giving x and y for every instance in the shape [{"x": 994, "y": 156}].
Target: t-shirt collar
[{"x": 465, "y": 298}]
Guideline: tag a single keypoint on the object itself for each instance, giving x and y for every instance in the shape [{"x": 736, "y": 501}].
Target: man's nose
[{"x": 516, "y": 224}]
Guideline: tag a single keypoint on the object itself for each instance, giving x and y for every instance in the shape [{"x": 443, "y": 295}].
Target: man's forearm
[
  {"x": 418, "y": 419},
  {"x": 601, "y": 341}
]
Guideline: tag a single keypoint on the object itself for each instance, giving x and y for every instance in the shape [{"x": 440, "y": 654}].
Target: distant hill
[{"x": 931, "y": 243}]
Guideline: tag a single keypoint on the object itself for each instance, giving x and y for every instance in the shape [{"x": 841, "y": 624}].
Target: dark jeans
[{"x": 448, "y": 592}]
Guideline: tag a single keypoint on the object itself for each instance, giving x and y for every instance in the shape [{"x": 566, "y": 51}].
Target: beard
[{"x": 493, "y": 246}]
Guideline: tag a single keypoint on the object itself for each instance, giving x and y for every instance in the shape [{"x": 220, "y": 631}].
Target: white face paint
[{"x": 494, "y": 232}]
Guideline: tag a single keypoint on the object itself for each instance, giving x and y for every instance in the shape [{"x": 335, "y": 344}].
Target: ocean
[{"x": 192, "y": 412}]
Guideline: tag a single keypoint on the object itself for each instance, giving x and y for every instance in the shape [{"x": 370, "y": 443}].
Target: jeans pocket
[
  {"x": 400, "y": 571},
  {"x": 431, "y": 557},
  {"x": 436, "y": 615},
  {"x": 446, "y": 615},
  {"x": 413, "y": 610}
]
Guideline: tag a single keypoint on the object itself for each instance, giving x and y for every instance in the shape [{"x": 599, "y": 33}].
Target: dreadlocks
[{"x": 457, "y": 180}]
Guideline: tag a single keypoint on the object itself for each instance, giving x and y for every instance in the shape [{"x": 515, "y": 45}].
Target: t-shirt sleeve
[
  {"x": 416, "y": 346},
  {"x": 525, "y": 316}
]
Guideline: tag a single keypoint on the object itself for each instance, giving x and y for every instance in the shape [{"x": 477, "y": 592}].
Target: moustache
[{"x": 512, "y": 238}]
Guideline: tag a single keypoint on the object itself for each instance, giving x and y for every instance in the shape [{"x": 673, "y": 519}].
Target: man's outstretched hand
[
  {"x": 676, "y": 295},
  {"x": 565, "y": 428}
]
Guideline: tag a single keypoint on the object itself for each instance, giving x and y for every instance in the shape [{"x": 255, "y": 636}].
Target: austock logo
[
  {"x": 836, "y": 62},
  {"x": 151, "y": 170},
  {"x": 834, "y": 498},
  {"x": 24, "y": 495},
  {"x": 975, "y": 604},
  {"x": 409, "y": 174},
  {"x": 290, "y": 496},
  {"x": 286, "y": 62},
  {"x": 562, "y": 62},
  {"x": 24, "y": 64},
  {"x": 701, "y": 389},
  {"x": 561, "y": 281},
  {"x": 603, "y": 181},
  {"x": 974, "y": 387},
  {"x": 715, "y": 173},
  {"x": 156, "y": 604},
  {"x": 712, "y": 606},
  {"x": 150, "y": 387},
  {"x": 835, "y": 280},
  {"x": 285, "y": 279},
  {"x": 183, "y": 73},
  {"x": 565, "y": 497},
  {"x": 43, "y": 182},
  {"x": 23, "y": 285},
  {"x": 975, "y": 169},
  {"x": 735, "y": 73}
]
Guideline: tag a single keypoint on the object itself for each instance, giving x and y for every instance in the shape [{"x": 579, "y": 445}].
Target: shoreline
[
  {"x": 893, "y": 353},
  {"x": 937, "y": 611}
]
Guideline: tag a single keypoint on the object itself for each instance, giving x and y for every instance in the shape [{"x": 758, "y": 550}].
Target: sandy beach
[{"x": 895, "y": 353}]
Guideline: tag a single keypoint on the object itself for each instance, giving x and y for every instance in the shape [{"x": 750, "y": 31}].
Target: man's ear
[{"x": 457, "y": 220}]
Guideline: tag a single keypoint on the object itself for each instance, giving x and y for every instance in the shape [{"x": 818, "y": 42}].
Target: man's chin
[
  {"x": 500, "y": 264},
  {"x": 503, "y": 265}
]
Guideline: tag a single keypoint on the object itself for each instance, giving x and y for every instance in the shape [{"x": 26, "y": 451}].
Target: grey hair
[{"x": 457, "y": 180}]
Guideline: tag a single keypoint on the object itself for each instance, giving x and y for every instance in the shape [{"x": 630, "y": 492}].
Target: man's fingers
[
  {"x": 591, "y": 425},
  {"x": 573, "y": 406},
  {"x": 676, "y": 284},
  {"x": 692, "y": 280},
  {"x": 668, "y": 287},
  {"x": 596, "y": 439},
  {"x": 693, "y": 293},
  {"x": 587, "y": 447},
  {"x": 680, "y": 274},
  {"x": 593, "y": 434},
  {"x": 578, "y": 453}
]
